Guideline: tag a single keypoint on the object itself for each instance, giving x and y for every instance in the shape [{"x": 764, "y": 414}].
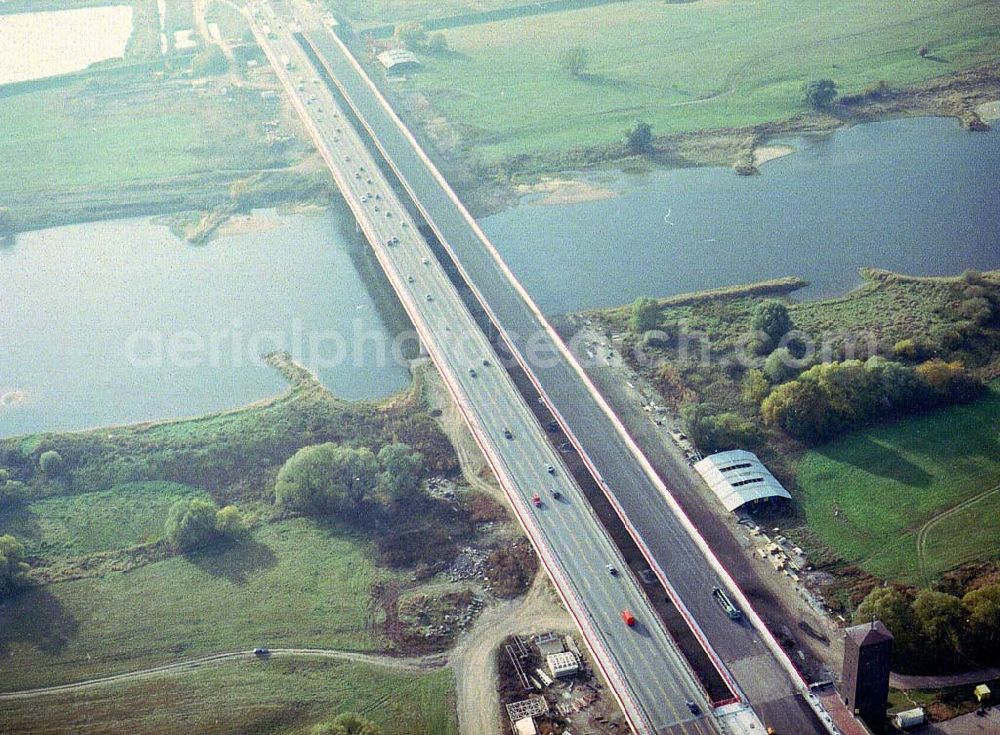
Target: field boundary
[{"x": 944, "y": 515}]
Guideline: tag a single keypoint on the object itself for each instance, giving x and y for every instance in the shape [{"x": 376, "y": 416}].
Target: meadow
[
  {"x": 911, "y": 499},
  {"x": 247, "y": 696},
  {"x": 294, "y": 583},
  {"x": 68, "y": 526},
  {"x": 686, "y": 66},
  {"x": 128, "y": 130}
]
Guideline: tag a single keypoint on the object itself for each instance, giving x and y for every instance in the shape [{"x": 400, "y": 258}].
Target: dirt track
[{"x": 421, "y": 663}]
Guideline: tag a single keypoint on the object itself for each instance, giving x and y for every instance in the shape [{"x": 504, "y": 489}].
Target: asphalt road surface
[
  {"x": 641, "y": 662},
  {"x": 763, "y": 680}
]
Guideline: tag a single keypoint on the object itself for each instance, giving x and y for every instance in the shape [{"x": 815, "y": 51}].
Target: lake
[
  {"x": 36, "y": 45},
  {"x": 121, "y": 321},
  {"x": 916, "y": 195}
]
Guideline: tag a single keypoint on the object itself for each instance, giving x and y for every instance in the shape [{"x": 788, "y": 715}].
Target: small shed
[
  {"x": 398, "y": 59},
  {"x": 525, "y": 726},
  {"x": 739, "y": 478},
  {"x": 563, "y": 664}
]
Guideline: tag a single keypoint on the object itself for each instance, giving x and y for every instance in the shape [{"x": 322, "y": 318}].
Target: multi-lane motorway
[{"x": 642, "y": 664}]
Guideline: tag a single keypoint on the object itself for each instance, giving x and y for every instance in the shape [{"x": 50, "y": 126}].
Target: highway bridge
[{"x": 651, "y": 679}]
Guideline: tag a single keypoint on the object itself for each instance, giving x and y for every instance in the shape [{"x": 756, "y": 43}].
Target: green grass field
[
  {"x": 373, "y": 12},
  {"x": 69, "y": 137},
  {"x": 291, "y": 584},
  {"x": 687, "y": 66},
  {"x": 892, "y": 482},
  {"x": 277, "y": 696},
  {"x": 75, "y": 525}
]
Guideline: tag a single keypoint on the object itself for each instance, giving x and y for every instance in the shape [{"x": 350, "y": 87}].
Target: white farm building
[{"x": 737, "y": 478}]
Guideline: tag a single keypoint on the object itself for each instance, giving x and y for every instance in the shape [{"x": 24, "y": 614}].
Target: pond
[
  {"x": 917, "y": 195},
  {"x": 121, "y": 321},
  {"x": 37, "y": 45}
]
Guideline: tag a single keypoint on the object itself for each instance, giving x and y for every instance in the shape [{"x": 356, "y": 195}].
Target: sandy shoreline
[
  {"x": 566, "y": 191},
  {"x": 989, "y": 111},
  {"x": 242, "y": 224},
  {"x": 765, "y": 153}
]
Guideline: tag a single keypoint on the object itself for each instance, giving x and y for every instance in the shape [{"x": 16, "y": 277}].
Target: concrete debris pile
[{"x": 469, "y": 564}]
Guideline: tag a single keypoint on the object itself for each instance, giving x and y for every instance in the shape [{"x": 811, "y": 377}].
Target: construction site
[{"x": 547, "y": 686}]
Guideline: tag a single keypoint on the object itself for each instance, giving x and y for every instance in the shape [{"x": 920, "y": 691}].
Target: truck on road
[
  {"x": 726, "y": 604},
  {"x": 285, "y": 61}
]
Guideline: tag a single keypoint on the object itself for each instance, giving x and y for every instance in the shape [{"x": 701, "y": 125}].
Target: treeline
[
  {"x": 831, "y": 398},
  {"x": 935, "y": 630}
]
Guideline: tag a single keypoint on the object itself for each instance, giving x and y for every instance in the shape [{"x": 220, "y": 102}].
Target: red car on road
[
  {"x": 628, "y": 617},
  {"x": 536, "y": 500}
]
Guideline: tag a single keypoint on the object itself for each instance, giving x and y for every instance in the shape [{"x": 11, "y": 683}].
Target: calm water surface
[
  {"x": 120, "y": 321},
  {"x": 919, "y": 196}
]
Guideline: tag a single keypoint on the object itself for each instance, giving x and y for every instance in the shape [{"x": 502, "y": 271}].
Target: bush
[
  {"x": 191, "y": 524},
  {"x": 323, "y": 478},
  {"x": 51, "y": 463},
  {"x": 437, "y": 43},
  {"x": 820, "y": 93},
  {"x": 716, "y": 432},
  {"x": 780, "y": 366},
  {"x": 229, "y": 522},
  {"x": 574, "y": 61},
  {"x": 639, "y": 138},
  {"x": 411, "y": 34},
  {"x": 401, "y": 467},
  {"x": 755, "y": 387},
  {"x": 347, "y": 723}
]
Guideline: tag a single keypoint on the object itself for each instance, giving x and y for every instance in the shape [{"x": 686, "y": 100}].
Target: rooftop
[
  {"x": 738, "y": 477},
  {"x": 868, "y": 633}
]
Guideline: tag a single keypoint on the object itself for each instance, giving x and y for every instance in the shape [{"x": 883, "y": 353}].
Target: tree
[
  {"x": 437, "y": 43},
  {"x": 12, "y": 566},
  {"x": 798, "y": 407},
  {"x": 209, "y": 62},
  {"x": 892, "y": 607},
  {"x": 645, "y": 315},
  {"x": 347, "y": 723},
  {"x": 326, "y": 477},
  {"x": 771, "y": 321},
  {"x": 400, "y": 473},
  {"x": 639, "y": 138},
  {"x": 229, "y": 522},
  {"x": 574, "y": 60},
  {"x": 411, "y": 34},
  {"x": 191, "y": 523},
  {"x": 51, "y": 463},
  {"x": 939, "y": 618},
  {"x": 820, "y": 93},
  {"x": 983, "y": 605}
]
